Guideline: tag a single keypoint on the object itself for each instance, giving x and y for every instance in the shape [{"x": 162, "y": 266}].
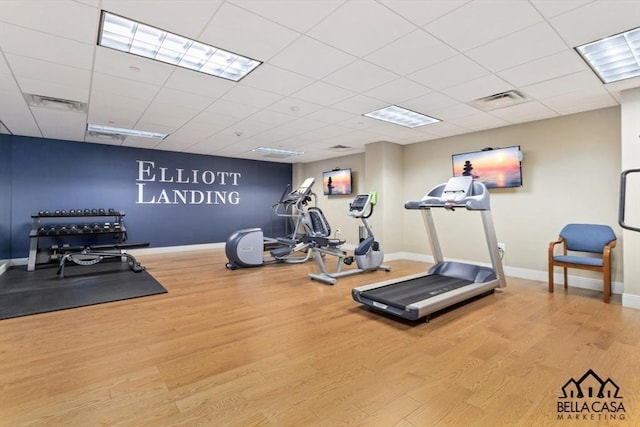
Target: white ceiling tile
[
  {"x": 360, "y": 76},
  {"x": 359, "y": 104},
  {"x": 455, "y": 112},
  {"x": 330, "y": 115},
  {"x": 228, "y": 108},
  {"x": 477, "y": 88},
  {"x": 450, "y": 72},
  {"x": 251, "y": 96},
  {"x": 596, "y": 20},
  {"x": 105, "y": 85},
  {"x": 546, "y": 68},
  {"x": 429, "y": 102},
  {"x": 397, "y": 91},
  {"x": 583, "y": 80},
  {"x": 294, "y": 107},
  {"x": 576, "y": 102},
  {"x": 311, "y": 58},
  {"x": 479, "y": 121},
  {"x": 242, "y": 32},
  {"x": 14, "y": 112},
  {"x": 423, "y": 12},
  {"x": 46, "y": 47},
  {"x": 295, "y": 14},
  {"x": 64, "y": 18},
  {"x": 524, "y": 46},
  {"x": 275, "y": 79},
  {"x": 48, "y": 79},
  {"x": 170, "y": 16},
  {"x": 551, "y": 8},
  {"x": 178, "y": 99},
  {"x": 423, "y": 49},
  {"x": 528, "y": 111},
  {"x": 58, "y": 124},
  {"x": 162, "y": 114},
  {"x": 132, "y": 141},
  {"x": 479, "y": 22},
  {"x": 132, "y": 67},
  {"x": 198, "y": 83},
  {"x": 344, "y": 28},
  {"x": 101, "y": 110},
  {"x": 323, "y": 93}
]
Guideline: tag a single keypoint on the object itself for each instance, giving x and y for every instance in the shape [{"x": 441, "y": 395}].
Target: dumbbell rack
[{"x": 38, "y": 256}]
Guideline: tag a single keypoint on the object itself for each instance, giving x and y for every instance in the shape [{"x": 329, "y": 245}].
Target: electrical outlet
[{"x": 502, "y": 247}]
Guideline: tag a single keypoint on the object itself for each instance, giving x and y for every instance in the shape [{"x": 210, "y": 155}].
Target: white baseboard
[{"x": 628, "y": 300}]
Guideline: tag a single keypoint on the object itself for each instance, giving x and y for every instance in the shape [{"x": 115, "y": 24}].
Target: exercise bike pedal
[{"x": 348, "y": 260}]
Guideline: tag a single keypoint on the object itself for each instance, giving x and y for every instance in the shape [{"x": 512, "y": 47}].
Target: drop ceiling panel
[
  {"x": 450, "y": 72},
  {"x": 104, "y": 85},
  {"x": 583, "y": 80},
  {"x": 294, "y": 14},
  {"x": 251, "y": 96},
  {"x": 14, "y": 112},
  {"x": 524, "y": 46},
  {"x": 338, "y": 28},
  {"x": 59, "y": 124},
  {"x": 546, "y": 68},
  {"x": 45, "y": 47},
  {"x": 180, "y": 100},
  {"x": 551, "y": 8},
  {"x": 574, "y": 102},
  {"x": 101, "y": 110},
  {"x": 329, "y": 115},
  {"x": 479, "y": 22},
  {"x": 397, "y": 90},
  {"x": 198, "y": 83},
  {"x": 63, "y": 18},
  {"x": 360, "y": 76},
  {"x": 423, "y": 49},
  {"x": 186, "y": 17},
  {"x": 597, "y": 20},
  {"x": 323, "y": 93},
  {"x": 132, "y": 67},
  {"x": 278, "y": 80},
  {"x": 524, "y": 112},
  {"x": 311, "y": 58},
  {"x": 294, "y": 107},
  {"x": 477, "y": 88},
  {"x": 423, "y": 12},
  {"x": 242, "y": 32}
]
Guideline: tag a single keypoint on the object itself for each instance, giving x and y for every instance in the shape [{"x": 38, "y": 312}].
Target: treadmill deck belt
[{"x": 404, "y": 293}]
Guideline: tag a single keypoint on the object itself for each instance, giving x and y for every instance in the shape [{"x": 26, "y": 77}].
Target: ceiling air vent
[
  {"x": 55, "y": 103},
  {"x": 500, "y": 100}
]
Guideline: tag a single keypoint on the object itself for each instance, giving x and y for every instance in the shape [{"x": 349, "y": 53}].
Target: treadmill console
[
  {"x": 457, "y": 189},
  {"x": 359, "y": 205}
]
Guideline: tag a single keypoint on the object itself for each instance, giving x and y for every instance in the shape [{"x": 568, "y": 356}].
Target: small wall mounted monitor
[
  {"x": 336, "y": 182},
  {"x": 495, "y": 168}
]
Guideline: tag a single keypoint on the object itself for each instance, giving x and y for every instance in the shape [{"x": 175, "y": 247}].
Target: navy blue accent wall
[
  {"x": 169, "y": 198},
  {"x": 5, "y": 196}
]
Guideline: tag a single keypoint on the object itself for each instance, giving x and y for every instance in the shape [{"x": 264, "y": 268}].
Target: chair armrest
[{"x": 553, "y": 244}]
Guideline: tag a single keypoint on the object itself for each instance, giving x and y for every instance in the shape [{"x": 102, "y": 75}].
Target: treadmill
[{"x": 447, "y": 282}]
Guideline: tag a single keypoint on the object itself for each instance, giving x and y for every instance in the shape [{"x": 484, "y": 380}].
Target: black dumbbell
[
  {"x": 40, "y": 213},
  {"x": 42, "y": 231},
  {"x": 52, "y": 231},
  {"x": 47, "y": 213},
  {"x": 86, "y": 228},
  {"x": 112, "y": 211},
  {"x": 72, "y": 211},
  {"x": 94, "y": 211},
  {"x": 87, "y": 212},
  {"x": 96, "y": 228},
  {"x": 63, "y": 230},
  {"x": 102, "y": 212},
  {"x": 73, "y": 229}
]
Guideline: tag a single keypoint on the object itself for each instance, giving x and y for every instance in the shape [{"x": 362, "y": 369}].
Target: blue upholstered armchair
[{"x": 579, "y": 243}]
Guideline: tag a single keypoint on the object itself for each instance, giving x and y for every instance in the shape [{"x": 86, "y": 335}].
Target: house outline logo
[{"x": 590, "y": 398}]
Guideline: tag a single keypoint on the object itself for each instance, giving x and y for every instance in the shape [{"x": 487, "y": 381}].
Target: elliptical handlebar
[{"x": 622, "y": 207}]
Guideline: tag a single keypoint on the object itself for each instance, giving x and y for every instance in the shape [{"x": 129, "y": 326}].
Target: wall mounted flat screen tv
[
  {"x": 336, "y": 182},
  {"x": 495, "y": 168}
]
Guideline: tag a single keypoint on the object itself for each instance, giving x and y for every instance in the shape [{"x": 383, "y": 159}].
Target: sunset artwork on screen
[
  {"x": 495, "y": 168},
  {"x": 336, "y": 182}
]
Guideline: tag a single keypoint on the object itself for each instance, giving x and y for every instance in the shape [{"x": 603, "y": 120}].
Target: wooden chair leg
[
  {"x": 565, "y": 278},
  {"x": 607, "y": 285},
  {"x": 551, "y": 278}
]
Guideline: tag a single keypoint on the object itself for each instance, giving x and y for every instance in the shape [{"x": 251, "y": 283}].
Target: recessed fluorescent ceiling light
[
  {"x": 614, "y": 58},
  {"x": 401, "y": 116},
  {"x": 110, "y": 130},
  {"x": 133, "y": 37},
  {"x": 277, "y": 151}
]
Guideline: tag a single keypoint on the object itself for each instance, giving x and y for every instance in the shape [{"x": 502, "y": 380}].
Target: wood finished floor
[{"x": 269, "y": 347}]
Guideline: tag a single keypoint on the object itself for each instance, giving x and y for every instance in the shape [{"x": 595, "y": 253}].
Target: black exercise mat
[{"x": 23, "y": 292}]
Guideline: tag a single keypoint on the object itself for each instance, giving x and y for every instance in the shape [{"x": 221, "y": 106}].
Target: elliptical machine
[
  {"x": 368, "y": 255},
  {"x": 246, "y": 248}
]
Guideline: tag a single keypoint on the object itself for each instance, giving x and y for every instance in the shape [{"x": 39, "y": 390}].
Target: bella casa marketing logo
[{"x": 590, "y": 398}]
